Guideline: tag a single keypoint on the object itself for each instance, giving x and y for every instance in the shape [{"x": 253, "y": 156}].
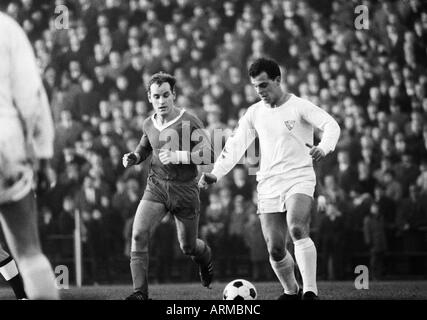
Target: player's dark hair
[
  {"x": 162, "y": 77},
  {"x": 260, "y": 65}
]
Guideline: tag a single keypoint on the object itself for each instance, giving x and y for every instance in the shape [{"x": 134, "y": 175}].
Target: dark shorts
[{"x": 181, "y": 199}]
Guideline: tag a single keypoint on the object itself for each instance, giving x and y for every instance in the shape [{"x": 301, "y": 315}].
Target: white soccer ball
[{"x": 239, "y": 289}]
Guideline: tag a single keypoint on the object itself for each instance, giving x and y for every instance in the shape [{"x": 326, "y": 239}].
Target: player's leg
[
  {"x": 10, "y": 273},
  {"x": 299, "y": 208},
  {"x": 197, "y": 249},
  {"x": 147, "y": 217},
  {"x": 19, "y": 222},
  {"x": 185, "y": 207},
  {"x": 274, "y": 230}
]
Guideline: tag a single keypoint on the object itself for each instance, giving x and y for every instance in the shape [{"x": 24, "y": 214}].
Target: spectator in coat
[
  {"x": 236, "y": 247},
  {"x": 331, "y": 232},
  {"x": 411, "y": 220},
  {"x": 375, "y": 239}
]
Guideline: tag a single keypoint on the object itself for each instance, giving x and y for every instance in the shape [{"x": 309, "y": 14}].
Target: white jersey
[
  {"x": 26, "y": 126},
  {"x": 21, "y": 89},
  {"x": 283, "y": 132}
]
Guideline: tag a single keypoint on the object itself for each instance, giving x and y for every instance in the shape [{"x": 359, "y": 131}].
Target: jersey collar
[
  {"x": 167, "y": 124},
  {"x": 279, "y": 106}
]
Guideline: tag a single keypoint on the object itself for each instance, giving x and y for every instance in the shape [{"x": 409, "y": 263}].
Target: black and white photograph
[{"x": 213, "y": 155}]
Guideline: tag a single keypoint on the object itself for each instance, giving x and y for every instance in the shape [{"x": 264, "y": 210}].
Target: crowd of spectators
[{"x": 371, "y": 193}]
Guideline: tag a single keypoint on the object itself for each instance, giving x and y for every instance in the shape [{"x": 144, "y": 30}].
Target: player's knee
[
  {"x": 297, "y": 232},
  {"x": 277, "y": 253},
  {"x": 187, "y": 249},
  {"x": 140, "y": 237}
]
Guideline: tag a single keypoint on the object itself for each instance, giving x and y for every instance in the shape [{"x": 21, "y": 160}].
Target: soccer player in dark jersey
[{"x": 177, "y": 143}]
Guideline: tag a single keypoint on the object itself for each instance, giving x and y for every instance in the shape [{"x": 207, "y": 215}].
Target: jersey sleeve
[
  {"x": 235, "y": 146},
  {"x": 320, "y": 119},
  {"x": 29, "y": 96},
  {"x": 144, "y": 147}
]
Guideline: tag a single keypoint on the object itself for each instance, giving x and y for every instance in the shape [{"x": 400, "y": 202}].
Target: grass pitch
[{"x": 393, "y": 290}]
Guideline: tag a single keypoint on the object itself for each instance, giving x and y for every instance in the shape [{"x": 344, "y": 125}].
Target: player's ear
[
  {"x": 174, "y": 94},
  {"x": 149, "y": 97},
  {"x": 278, "y": 79}
]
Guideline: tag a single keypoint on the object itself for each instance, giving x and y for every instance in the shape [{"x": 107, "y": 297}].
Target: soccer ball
[{"x": 239, "y": 290}]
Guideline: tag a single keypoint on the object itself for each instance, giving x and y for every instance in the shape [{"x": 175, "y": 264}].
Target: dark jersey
[{"x": 184, "y": 133}]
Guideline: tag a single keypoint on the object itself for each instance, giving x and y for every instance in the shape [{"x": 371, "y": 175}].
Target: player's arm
[
  {"x": 30, "y": 99},
  {"x": 234, "y": 149},
  {"x": 142, "y": 152},
  {"x": 322, "y": 120},
  {"x": 29, "y": 96}
]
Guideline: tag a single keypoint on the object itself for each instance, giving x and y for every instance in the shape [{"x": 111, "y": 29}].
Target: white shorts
[
  {"x": 16, "y": 172},
  {"x": 278, "y": 203}
]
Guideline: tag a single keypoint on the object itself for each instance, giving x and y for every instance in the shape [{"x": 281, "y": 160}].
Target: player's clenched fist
[
  {"x": 206, "y": 179},
  {"x": 174, "y": 157},
  {"x": 167, "y": 157},
  {"x": 316, "y": 153},
  {"x": 129, "y": 159}
]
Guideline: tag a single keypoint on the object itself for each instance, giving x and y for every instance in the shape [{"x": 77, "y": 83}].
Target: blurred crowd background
[{"x": 371, "y": 196}]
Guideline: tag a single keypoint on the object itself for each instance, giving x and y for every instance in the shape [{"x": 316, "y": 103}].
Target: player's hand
[
  {"x": 129, "y": 159},
  {"x": 206, "y": 179},
  {"x": 315, "y": 152},
  {"x": 167, "y": 156},
  {"x": 174, "y": 157},
  {"x": 46, "y": 177}
]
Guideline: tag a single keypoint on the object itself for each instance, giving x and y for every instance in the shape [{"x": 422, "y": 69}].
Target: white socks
[
  {"x": 306, "y": 258},
  {"x": 284, "y": 270},
  {"x": 38, "y": 277}
]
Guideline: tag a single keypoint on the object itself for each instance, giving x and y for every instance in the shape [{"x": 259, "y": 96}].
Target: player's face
[
  {"x": 162, "y": 98},
  {"x": 267, "y": 89}
]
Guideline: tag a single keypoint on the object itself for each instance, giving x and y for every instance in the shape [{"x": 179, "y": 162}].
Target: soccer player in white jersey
[
  {"x": 26, "y": 140},
  {"x": 284, "y": 124}
]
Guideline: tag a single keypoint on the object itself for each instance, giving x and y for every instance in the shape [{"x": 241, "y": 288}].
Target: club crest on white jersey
[{"x": 290, "y": 124}]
